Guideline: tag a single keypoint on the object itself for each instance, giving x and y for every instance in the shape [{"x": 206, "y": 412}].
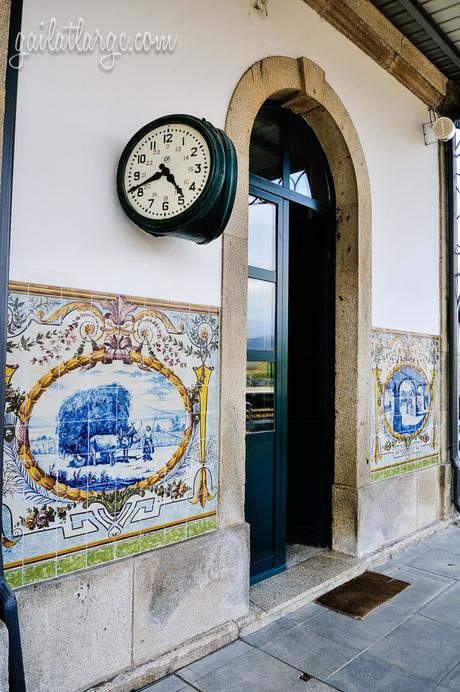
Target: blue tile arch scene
[
  {"x": 111, "y": 419},
  {"x": 405, "y": 404}
]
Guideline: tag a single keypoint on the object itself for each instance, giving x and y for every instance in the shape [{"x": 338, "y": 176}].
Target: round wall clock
[{"x": 177, "y": 176}]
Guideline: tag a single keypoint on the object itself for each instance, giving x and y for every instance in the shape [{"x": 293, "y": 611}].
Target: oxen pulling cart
[{"x": 94, "y": 426}]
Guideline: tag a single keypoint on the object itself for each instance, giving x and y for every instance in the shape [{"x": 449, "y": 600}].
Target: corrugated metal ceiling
[{"x": 432, "y": 25}]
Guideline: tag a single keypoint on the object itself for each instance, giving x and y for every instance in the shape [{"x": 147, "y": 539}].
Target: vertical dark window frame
[
  {"x": 8, "y": 602},
  {"x": 265, "y": 189}
]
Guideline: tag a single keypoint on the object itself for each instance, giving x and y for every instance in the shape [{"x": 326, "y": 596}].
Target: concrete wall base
[
  {"x": 181, "y": 656},
  {"x": 3, "y": 657},
  {"x": 368, "y": 518}
]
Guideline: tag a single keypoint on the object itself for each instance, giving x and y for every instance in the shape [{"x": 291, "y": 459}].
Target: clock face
[{"x": 166, "y": 171}]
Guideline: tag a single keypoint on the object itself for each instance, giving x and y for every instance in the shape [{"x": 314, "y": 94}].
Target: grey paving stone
[
  {"x": 317, "y": 686},
  {"x": 452, "y": 679},
  {"x": 386, "y": 568},
  {"x": 309, "y": 652},
  {"x": 448, "y": 539},
  {"x": 445, "y": 608},
  {"x": 424, "y": 587},
  {"x": 422, "y": 645},
  {"x": 218, "y": 658},
  {"x": 283, "y": 624},
  {"x": 304, "y": 613},
  {"x": 253, "y": 672},
  {"x": 265, "y": 633},
  {"x": 358, "y": 634},
  {"x": 405, "y": 556},
  {"x": 438, "y": 561},
  {"x": 187, "y": 674},
  {"x": 368, "y": 673},
  {"x": 169, "y": 684}
]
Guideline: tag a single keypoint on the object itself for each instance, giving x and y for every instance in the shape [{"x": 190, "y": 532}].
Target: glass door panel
[
  {"x": 260, "y": 397},
  {"x": 261, "y": 315},
  {"x": 262, "y": 234}
]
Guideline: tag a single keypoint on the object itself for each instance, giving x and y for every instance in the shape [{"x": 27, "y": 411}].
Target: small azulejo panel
[
  {"x": 110, "y": 428},
  {"x": 404, "y": 402}
]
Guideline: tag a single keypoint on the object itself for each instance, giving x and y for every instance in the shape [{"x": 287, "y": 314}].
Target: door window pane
[
  {"x": 262, "y": 234},
  {"x": 298, "y": 181},
  {"x": 260, "y": 397},
  {"x": 265, "y": 154},
  {"x": 307, "y": 172},
  {"x": 261, "y": 315}
]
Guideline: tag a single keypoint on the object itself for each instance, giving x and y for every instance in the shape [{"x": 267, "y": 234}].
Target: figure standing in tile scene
[{"x": 148, "y": 444}]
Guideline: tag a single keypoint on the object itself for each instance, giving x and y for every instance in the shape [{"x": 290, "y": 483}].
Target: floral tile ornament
[
  {"x": 110, "y": 428},
  {"x": 405, "y": 408}
]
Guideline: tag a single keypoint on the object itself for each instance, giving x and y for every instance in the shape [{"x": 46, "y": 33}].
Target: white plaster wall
[{"x": 74, "y": 119}]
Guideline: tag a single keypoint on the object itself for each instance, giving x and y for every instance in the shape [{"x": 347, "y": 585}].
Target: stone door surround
[{"x": 300, "y": 85}]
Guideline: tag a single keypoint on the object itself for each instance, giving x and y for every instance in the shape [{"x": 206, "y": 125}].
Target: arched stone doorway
[{"x": 300, "y": 85}]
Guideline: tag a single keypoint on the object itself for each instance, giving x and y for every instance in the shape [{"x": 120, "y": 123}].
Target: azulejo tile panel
[
  {"x": 110, "y": 428},
  {"x": 405, "y": 408}
]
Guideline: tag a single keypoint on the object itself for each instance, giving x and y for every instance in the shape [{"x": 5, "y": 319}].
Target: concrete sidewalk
[{"x": 410, "y": 644}]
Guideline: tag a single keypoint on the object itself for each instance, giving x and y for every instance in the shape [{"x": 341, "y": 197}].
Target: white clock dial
[{"x": 167, "y": 171}]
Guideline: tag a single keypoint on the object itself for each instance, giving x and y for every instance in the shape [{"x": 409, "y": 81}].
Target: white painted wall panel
[{"x": 74, "y": 119}]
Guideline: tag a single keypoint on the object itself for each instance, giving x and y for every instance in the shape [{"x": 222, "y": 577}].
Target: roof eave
[{"x": 374, "y": 34}]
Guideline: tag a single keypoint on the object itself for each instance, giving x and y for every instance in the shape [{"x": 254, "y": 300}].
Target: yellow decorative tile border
[
  {"x": 67, "y": 564},
  {"x": 405, "y": 467}
]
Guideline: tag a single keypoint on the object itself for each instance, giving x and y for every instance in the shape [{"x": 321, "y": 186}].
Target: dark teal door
[
  {"x": 266, "y": 381},
  {"x": 289, "y": 393}
]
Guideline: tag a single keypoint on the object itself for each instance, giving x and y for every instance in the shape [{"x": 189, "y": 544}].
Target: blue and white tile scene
[
  {"x": 111, "y": 421},
  {"x": 405, "y": 408}
]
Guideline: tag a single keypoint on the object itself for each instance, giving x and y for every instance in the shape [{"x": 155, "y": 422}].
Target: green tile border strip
[
  {"x": 404, "y": 468},
  {"x": 67, "y": 564}
]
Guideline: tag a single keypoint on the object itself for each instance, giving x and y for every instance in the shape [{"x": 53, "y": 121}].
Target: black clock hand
[
  {"x": 164, "y": 171},
  {"x": 171, "y": 179},
  {"x": 156, "y": 176}
]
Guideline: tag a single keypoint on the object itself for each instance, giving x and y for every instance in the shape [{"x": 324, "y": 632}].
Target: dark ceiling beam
[{"x": 427, "y": 23}]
